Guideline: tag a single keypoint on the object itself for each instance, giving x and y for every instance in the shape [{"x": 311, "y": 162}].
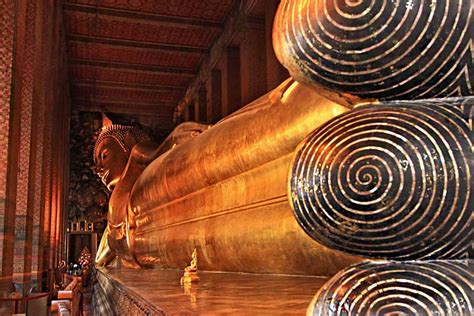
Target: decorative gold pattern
[
  {"x": 26, "y": 74},
  {"x": 388, "y": 181},
  {"x": 406, "y": 288},
  {"x": 37, "y": 191},
  {"x": 112, "y": 299},
  {"x": 7, "y": 21}
]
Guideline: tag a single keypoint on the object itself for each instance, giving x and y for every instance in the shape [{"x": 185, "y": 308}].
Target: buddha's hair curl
[{"x": 118, "y": 132}]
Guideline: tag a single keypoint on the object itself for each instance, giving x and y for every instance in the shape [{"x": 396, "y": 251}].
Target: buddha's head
[{"x": 112, "y": 150}]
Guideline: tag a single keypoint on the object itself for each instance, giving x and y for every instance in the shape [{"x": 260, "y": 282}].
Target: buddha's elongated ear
[
  {"x": 105, "y": 120},
  {"x": 129, "y": 140}
]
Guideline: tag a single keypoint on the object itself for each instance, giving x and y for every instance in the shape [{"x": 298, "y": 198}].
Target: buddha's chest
[{"x": 117, "y": 210}]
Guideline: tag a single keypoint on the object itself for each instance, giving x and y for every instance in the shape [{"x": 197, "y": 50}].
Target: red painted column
[
  {"x": 24, "y": 73},
  {"x": 7, "y": 27}
]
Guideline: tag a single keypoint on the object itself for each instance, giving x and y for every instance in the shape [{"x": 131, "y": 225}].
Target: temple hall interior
[{"x": 242, "y": 157}]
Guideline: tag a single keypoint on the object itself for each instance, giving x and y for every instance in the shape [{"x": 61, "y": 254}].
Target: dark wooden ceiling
[{"x": 130, "y": 56}]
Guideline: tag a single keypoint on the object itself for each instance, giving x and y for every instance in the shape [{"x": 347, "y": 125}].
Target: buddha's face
[{"x": 110, "y": 161}]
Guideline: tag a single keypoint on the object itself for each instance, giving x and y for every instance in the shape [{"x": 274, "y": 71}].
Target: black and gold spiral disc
[
  {"x": 384, "y": 49},
  {"x": 388, "y": 181},
  {"x": 403, "y": 288}
]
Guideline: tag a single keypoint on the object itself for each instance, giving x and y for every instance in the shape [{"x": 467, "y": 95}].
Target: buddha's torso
[{"x": 117, "y": 216}]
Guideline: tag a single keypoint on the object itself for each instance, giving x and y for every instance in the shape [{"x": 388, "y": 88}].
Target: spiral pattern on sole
[
  {"x": 403, "y": 288},
  {"x": 387, "y": 50},
  {"x": 388, "y": 181}
]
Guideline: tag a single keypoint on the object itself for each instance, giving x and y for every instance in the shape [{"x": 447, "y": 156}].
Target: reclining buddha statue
[
  {"x": 368, "y": 152},
  {"x": 219, "y": 189}
]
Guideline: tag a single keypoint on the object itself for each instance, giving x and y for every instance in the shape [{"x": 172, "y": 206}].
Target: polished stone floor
[{"x": 219, "y": 293}]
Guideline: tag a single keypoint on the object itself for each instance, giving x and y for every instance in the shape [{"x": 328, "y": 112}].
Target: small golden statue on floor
[{"x": 190, "y": 272}]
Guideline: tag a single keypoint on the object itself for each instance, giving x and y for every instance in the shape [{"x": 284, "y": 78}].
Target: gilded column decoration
[{"x": 22, "y": 207}]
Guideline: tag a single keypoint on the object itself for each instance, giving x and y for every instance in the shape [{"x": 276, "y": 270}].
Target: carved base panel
[
  {"x": 158, "y": 292},
  {"x": 113, "y": 298}
]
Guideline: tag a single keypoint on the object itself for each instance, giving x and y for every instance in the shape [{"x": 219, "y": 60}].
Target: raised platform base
[{"x": 155, "y": 292}]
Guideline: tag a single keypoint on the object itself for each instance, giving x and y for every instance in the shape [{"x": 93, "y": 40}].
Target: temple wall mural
[{"x": 88, "y": 198}]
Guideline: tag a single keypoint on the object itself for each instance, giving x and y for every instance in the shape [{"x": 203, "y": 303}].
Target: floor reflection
[{"x": 219, "y": 293}]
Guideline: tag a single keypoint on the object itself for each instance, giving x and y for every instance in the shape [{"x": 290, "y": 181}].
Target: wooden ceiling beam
[
  {"x": 126, "y": 85},
  {"x": 121, "y": 107},
  {"x": 168, "y": 119},
  {"x": 163, "y": 122},
  {"x": 146, "y": 103},
  {"x": 137, "y": 44},
  {"x": 135, "y": 67},
  {"x": 146, "y": 17},
  {"x": 166, "y": 104}
]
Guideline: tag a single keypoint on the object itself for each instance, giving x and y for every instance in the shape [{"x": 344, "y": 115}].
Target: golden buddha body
[
  {"x": 223, "y": 192},
  {"x": 390, "y": 179}
]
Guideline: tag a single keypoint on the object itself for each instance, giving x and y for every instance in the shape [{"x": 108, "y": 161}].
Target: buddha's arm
[
  {"x": 105, "y": 255},
  {"x": 145, "y": 152}
]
